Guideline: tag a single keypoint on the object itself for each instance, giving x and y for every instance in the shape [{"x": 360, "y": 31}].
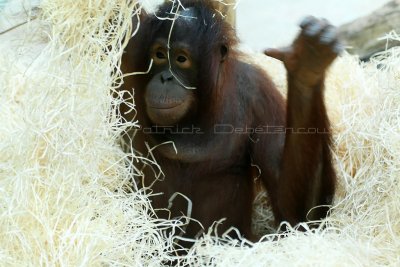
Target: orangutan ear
[{"x": 224, "y": 50}]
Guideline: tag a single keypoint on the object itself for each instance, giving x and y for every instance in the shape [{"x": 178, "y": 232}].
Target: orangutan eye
[
  {"x": 181, "y": 59},
  {"x": 160, "y": 55},
  {"x": 183, "y": 62}
]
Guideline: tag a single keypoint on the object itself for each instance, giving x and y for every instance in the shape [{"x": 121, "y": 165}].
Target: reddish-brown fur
[{"x": 214, "y": 170}]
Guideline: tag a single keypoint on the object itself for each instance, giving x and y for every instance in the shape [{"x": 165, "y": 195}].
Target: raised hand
[{"x": 307, "y": 59}]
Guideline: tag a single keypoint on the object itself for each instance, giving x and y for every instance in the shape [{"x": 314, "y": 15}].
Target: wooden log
[{"x": 362, "y": 34}]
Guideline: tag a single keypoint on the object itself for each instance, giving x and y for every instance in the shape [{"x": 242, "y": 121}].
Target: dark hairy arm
[{"x": 304, "y": 182}]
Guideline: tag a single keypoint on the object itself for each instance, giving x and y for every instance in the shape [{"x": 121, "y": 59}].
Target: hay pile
[{"x": 62, "y": 173}]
